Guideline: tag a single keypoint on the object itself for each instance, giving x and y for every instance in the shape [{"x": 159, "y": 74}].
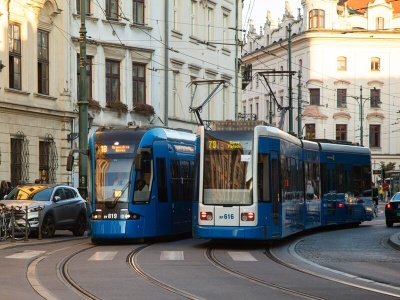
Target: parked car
[
  {"x": 62, "y": 207},
  {"x": 392, "y": 210}
]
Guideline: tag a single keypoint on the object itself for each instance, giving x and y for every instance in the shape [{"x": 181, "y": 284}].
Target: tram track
[
  {"x": 210, "y": 256},
  {"x": 269, "y": 253},
  {"x": 132, "y": 260}
]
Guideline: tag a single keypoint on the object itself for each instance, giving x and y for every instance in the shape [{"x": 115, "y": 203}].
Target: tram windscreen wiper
[{"x": 115, "y": 200}]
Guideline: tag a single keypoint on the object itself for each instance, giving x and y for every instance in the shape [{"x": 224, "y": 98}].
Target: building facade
[
  {"x": 345, "y": 76},
  {"x": 142, "y": 57}
]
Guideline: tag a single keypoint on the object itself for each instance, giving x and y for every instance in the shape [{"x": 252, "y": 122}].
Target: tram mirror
[
  {"x": 138, "y": 159},
  {"x": 70, "y": 161}
]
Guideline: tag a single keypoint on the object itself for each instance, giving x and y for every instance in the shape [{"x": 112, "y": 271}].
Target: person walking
[{"x": 3, "y": 189}]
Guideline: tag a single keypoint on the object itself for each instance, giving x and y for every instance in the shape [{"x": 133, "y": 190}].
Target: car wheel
[
  {"x": 48, "y": 227},
  {"x": 389, "y": 224},
  {"x": 80, "y": 226}
]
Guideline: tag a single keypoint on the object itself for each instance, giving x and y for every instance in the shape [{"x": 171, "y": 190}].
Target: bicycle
[{"x": 13, "y": 224}]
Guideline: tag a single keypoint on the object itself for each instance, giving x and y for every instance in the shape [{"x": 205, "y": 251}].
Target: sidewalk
[{"x": 394, "y": 241}]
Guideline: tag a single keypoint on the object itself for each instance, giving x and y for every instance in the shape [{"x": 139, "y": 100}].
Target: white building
[
  {"x": 346, "y": 53},
  {"x": 140, "y": 51}
]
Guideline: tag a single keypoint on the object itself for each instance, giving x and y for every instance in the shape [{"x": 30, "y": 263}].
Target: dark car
[
  {"x": 62, "y": 207},
  {"x": 392, "y": 210}
]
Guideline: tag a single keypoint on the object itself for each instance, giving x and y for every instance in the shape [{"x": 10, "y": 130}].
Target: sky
[{"x": 257, "y": 10}]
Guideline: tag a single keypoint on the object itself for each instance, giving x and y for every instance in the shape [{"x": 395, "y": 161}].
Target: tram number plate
[
  {"x": 111, "y": 216},
  {"x": 398, "y": 214}
]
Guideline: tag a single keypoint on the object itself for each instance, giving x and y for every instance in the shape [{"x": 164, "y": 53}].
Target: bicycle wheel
[
  {"x": 21, "y": 230},
  {"x": 3, "y": 230}
]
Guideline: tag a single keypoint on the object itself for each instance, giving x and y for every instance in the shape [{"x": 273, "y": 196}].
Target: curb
[{"x": 394, "y": 241}]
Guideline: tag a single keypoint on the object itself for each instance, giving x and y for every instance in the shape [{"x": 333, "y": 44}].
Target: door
[{"x": 275, "y": 195}]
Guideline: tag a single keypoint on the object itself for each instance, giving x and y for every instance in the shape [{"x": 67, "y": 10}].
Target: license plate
[{"x": 398, "y": 214}]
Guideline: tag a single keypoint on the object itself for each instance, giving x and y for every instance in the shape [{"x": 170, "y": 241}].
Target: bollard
[
  {"x": 12, "y": 224},
  {"x": 40, "y": 224},
  {"x": 26, "y": 223}
]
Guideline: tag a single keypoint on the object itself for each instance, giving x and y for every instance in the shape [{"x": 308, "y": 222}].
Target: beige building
[
  {"x": 346, "y": 54},
  {"x": 144, "y": 52}
]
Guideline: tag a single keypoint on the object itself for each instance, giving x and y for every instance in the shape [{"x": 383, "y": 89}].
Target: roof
[{"x": 360, "y": 6}]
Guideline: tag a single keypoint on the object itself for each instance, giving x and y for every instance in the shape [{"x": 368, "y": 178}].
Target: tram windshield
[
  {"x": 114, "y": 158},
  {"x": 228, "y": 175}
]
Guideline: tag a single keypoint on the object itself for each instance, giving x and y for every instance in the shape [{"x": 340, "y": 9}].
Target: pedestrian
[
  {"x": 10, "y": 187},
  {"x": 3, "y": 189}
]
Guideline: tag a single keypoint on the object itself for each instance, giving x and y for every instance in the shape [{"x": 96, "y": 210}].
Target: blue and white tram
[
  {"x": 262, "y": 183},
  {"x": 141, "y": 182}
]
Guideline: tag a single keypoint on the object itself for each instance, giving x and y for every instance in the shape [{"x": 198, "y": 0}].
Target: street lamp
[
  {"x": 74, "y": 135},
  {"x": 361, "y": 104}
]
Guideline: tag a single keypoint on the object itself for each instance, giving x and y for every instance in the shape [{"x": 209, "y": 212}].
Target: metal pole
[
  {"x": 26, "y": 223},
  {"x": 236, "y": 61},
  {"x": 166, "y": 63},
  {"x": 12, "y": 224},
  {"x": 290, "y": 79},
  {"x": 361, "y": 118},
  {"x": 299, "y": 124},
  {"x": 83, "y": 106},
  {"x": 270, "y": 108}
]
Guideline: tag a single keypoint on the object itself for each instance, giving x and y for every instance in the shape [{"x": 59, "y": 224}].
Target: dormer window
[
  {"x": 380, "y": 24},
  {"x": 317, "y": 18}
]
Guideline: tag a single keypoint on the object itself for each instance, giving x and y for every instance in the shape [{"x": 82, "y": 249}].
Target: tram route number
[
  {"x": 111, "y": 216},
  {"x": 227, "y": 217}
]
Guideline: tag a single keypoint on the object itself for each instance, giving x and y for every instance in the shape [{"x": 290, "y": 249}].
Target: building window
[
  {"x": 43, "y": 62},
  {"x": 375, "y": 64},
  {"x": 310, "y": 132},
  {"x": 139, "y": 83},
  {"x": 317, "y": 18},
  {"x": 341, "y": 63},
  {"x": 88, "y": 75},
  {"x": 380, "y": 24},
  {"x": 210, "y": 26},
  {"x": 78, "y": 6},
  {"x": 314, "y": 97},
  {"x": 375, "y": 97},
  {"x": 175, "y": 24},
  {"x": 341, "y": 98},
  {"x": 374, "y": 135},
  {"x": 112, "y": 80},
  {"x": 257, "y": 80},
  {"x": 112, "y": 9},
  {"x": 225, "y": 20},
  {"x": 138, "y": 11},
  {"x": 14, "y": 50},
  {"x": 341, "y": 132},
  {"x": 193, "y": 20}
]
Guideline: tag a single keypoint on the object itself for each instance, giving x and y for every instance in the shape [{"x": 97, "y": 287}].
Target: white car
[{"x": 61, "y": 207}]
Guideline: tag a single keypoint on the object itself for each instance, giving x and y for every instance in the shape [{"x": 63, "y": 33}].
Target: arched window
[{"x": 317, "y": 18}]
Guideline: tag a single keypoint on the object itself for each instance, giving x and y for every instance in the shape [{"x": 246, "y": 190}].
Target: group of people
[{"x": 5, "y": 188}]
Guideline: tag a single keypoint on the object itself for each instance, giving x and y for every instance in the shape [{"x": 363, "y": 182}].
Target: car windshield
[
  {"x": 396, "y": 197},
  {"x": 36, "y": 192}
]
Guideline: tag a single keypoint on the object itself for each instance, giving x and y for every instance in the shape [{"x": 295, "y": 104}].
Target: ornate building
[{"x": 345, "y": 81}]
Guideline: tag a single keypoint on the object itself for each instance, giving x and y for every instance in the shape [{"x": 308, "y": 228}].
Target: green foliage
[{"x": 143, "y": 109}]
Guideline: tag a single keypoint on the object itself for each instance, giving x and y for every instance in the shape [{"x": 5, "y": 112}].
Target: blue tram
[
  {"x": 140, "y": 182},
  {"x": 258, "y": 182}
]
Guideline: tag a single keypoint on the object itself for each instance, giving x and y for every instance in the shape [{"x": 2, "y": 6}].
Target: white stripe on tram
[
  {"x": 103, "y": 255},
  {"x": 242, "y": 256}
]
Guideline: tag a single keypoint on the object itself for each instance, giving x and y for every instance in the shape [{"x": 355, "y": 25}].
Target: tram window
[
  {"x": 263, "y": 178},
  {"x": 162, "y": 180},
  {"x": 176, "y": 181}
]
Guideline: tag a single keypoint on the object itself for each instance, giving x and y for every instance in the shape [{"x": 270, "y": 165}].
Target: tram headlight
[
  {"x": 97, "y": 215},
  {"x": 247, "y": 216},
  {"x": 206, "y": 215}
]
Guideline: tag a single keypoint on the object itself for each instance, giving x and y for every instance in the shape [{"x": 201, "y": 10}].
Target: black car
[
  {"x": 392, "y": 210},
  {"x": 62, "y": 207}
]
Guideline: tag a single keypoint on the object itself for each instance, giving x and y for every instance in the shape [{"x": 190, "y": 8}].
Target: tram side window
[
  {"x": 162, "y": 180},
  {"x": 263, "y": 178},
  {"x": 187, "y": 180}
]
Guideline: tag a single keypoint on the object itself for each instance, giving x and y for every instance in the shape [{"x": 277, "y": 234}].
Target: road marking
[
  {"x": 103, "y": 255},
  {"x": 171, "y": 255},
  {"x": 27, "y": 254},
  {"x": 242, "y": 256}
]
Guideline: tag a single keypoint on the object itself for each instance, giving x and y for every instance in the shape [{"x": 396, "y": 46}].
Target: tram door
[
  {"x": 275, "y": 195},
  {"x": 162, "y": 203}
]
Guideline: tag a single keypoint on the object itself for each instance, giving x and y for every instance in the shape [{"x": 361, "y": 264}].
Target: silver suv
[{"x": 61, "y": 207}]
